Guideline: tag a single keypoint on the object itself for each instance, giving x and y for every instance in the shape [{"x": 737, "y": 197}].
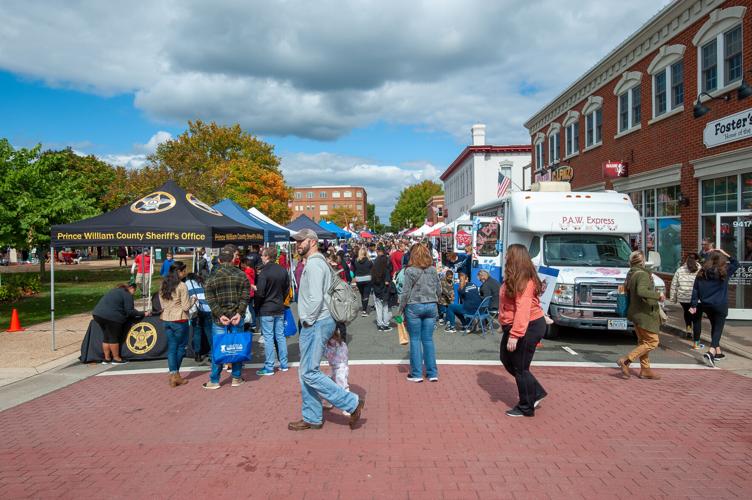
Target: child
[
  {"x": 341, "y": 327},
  {"x": 337, "y": 355},
  {"x": 447, "y": 294}
]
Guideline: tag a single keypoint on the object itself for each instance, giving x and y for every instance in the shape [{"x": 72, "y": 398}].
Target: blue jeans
[
  {"x": 458, "y": 310},
  {"x": 202, "y": 327},
  {"x": 315, "y": 385},
  {"x": 237, "y": 368},
  {"x": 177, "y": 339},
  {"x": 420, "y": 320},
  {"x": 273, "y": 329},
  {"x": 442, "y": 311}
]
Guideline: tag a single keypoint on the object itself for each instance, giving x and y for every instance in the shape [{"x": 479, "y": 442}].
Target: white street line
[
  {"x": 569, "y": 350},
  {"x": 471, "y": 362}
]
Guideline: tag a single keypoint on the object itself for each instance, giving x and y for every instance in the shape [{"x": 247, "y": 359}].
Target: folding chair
[{"x": 482, "y": 315}]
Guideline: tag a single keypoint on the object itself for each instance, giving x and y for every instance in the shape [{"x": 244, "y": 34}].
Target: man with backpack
[{"x": 314, "y": 300}]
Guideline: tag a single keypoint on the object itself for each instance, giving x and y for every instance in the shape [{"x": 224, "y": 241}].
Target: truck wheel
[{"x": 552, "y": 331}]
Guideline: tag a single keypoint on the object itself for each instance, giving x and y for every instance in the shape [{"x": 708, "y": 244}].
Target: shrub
[{"x": 19, "y": 285}]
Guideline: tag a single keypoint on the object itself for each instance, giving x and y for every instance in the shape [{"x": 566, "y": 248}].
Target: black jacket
[
  {"x": 491, "y": 288},
  {"x": 379, "y": 283},
  {"x": 362, "y": 268},
  {"x": 117, "y": 305},
  {"x": 272, "y": 285}
]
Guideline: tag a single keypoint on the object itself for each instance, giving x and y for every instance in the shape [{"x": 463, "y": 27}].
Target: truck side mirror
[{"x": 654, "y": 260}]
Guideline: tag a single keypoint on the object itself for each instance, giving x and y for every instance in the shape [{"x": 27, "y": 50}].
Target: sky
[{"x": 377, "y": 93}]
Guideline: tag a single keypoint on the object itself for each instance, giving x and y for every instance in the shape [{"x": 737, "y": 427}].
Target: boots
[
  {"x": 180, "y": 380},
  {"x": 649, "y": 374},
  {"x": 624, "y": 365},
  {"x": 171, "y": 380}
]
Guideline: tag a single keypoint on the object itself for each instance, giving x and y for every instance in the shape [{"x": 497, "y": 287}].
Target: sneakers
[
  {"x": 709, "y": 359},
  {"x": 450, "y": 329},
  {"x": 119, "y": 362},
  {"x": 385, "y": 328},
  {"x": 237, "y": 382},
  {"x": 433, "y": 379},
  {"x": 302, "y": 425},
  {"x": 283, "y": 369},
  {"x": 718, "y": 356},
  {"x": 539, "y": 401},
  {"x": 210, "y": 386},
  {"x": 695, "y": 346},
  {"x": 516, "y": 412},
  {"x": 414, "y": 379},
  {"x": 441, "y": 321},
  {"x": 107, "y": 362},
  {"x": 261, "y": 340},
  {"x": 264, "y": 372},
  {"x": 363, "y": 313}
]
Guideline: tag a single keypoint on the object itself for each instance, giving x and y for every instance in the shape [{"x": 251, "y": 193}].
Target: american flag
[{"x": 503, "y": 185}]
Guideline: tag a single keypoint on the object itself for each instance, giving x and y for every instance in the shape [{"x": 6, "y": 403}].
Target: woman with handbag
[
  {"x": 362, "y": 269},
  {"x": 645, "y": 312},
  {"x": 710, "y": 296},
  {"x": 176, "y": 303},
  {"x": 418, "y": 302},
  {"x": 522, "y": 327},
  {"x": 381, "y": 277}
]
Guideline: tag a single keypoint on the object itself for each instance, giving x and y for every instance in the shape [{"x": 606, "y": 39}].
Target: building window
[
  {"x": 322, "y": 194},
  {"x": 298, "y": 195},
  {"x": 309, "y": 195},
  {"x": 659, "y": 87},
  {"x": 594, "y": 128},
  {"x": 358, "y": 194},
  {"x": 719, "y": 49},
  {"x": 539, "y": 159},
  {"x": 335, "y": 194},
  {"x": 553, "y": 148},
  {"x": 661, "y": 225},
  {"x": 667, "y": 69},
  {"x": 724, "y": 194},
  {"x": 573, "y": 138},
  {"x": 629, "y": 100},
  {"x": 348, "y": 194}
]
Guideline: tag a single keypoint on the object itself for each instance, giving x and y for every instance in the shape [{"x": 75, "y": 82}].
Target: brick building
[
  {"x": 318, "y": 202},
  {"x": 633, "y": 123},
  {"x": 435, "y": 209}
]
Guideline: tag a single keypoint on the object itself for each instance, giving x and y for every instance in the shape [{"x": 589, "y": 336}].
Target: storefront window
[
  {"x": 747, "y": 191},
  {"x": 636, "y": 198},
  {"x": 720, "y": 195},
  {"x": 668, "y": 201},
  {"x": 661, "y": 225},
  {"x": 649, "y": 203}
]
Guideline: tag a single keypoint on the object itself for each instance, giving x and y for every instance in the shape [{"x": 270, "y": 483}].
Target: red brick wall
[{"x": 673, "y": 140}]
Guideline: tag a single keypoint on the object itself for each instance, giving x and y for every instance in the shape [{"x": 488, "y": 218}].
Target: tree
[
  {"x": 99, "y": 176},
  {"x": 410, "y": 209},
  {"x": 215, "y": 162},
  {"x": 342, "y": 216},
  {"x": 37, "y": 191}
]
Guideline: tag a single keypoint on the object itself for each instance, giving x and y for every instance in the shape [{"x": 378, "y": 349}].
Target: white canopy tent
[
  {"x": 258, "y": 213},
  {"x": 422, "y": 230}
]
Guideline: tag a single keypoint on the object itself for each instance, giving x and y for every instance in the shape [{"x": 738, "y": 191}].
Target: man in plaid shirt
[{"x": 227, "y": 292}]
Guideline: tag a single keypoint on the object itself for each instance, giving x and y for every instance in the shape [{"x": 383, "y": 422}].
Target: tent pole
[
  {"x": 193, "y": 264},
  {"x": 151, "y": 271},
  {"x": 52, "y": 293}
]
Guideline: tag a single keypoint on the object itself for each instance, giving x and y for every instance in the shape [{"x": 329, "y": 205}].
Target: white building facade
[{"x": 472, "y": 178}]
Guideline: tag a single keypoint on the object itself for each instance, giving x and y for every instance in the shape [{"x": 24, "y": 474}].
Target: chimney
[{"x": 479, "y": 134}]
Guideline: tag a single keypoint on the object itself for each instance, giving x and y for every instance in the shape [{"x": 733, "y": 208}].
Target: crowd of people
[{"x": 398, "y": 280}]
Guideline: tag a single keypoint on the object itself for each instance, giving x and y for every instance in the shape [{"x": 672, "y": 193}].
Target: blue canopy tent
[
  {"x": 239, "y": 214},
  {"x": 331, "y": 226},
  {"x": 305, "y": 222}
]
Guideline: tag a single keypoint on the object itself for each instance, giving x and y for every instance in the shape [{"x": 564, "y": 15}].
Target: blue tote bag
[
  {"x": 233, "y": 346},
  {"x": 291, "y": 328}
]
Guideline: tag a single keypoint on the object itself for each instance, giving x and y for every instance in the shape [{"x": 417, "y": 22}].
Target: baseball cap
[{"x": 305, "y": 234}]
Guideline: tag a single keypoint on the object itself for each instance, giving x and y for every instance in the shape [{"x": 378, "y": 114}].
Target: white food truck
[{"x": 582, "y": 234}]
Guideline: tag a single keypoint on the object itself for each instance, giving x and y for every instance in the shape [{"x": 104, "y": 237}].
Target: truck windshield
[{"x": 586, "y": 250}]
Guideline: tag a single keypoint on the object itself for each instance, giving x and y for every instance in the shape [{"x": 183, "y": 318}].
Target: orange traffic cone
[{"x": 15, "y": 323}]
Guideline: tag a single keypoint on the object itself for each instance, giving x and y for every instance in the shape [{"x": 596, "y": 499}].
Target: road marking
[
  {"x": 458, "y": 362},
  {"x": 569, "y": 350}
]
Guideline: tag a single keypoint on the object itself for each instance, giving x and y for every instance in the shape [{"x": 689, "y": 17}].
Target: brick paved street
[{"x": 131, "y": 436}]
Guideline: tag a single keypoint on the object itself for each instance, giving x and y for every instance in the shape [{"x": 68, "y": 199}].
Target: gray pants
[{"x": 382, "y": 312}]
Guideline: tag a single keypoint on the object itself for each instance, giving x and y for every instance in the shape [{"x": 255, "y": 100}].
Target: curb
[
  {"x": 727, "y": 345},
  {"x": 26, "y": 373}
]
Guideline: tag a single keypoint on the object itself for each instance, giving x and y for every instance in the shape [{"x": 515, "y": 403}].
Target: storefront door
[{"x": 734, "y": 235}]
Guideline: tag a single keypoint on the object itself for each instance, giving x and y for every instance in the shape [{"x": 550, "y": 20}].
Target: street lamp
[{"x": 700, "y": 109}]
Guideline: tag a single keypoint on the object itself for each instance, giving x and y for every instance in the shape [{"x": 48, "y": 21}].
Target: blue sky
[{"x": 380, "y": 94}]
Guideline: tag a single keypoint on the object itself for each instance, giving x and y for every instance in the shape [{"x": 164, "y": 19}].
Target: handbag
[
  {"x": 291, "y": 327},
  {"x": 662, "y": 315},
  {"x": 404, "y": 338},
  {"x": 232, "y": 346}
]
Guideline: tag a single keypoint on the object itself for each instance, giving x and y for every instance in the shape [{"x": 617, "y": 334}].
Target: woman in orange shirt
[{"x": 522, "y": 326}]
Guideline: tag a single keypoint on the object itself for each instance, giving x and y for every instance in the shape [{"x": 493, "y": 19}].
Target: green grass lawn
[{"x": 75, "y": 292}]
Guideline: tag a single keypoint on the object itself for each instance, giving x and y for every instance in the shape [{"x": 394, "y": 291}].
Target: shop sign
[
  {"x": 614, "y": 169},
  {"x": 563, "y": 173},
  {"x": 728, "y": 129}
]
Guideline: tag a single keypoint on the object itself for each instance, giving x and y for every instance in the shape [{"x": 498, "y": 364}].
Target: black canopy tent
[
  {"x": 305, "y": 222},
  {"x": 170, "y": 216}
]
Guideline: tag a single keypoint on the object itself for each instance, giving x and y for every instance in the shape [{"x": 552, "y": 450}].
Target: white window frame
[
  {"x": 593, "y": 104},
  {"x": 309, "y": 195},
  {"x": 322, "y": 195},
  {"x": 554, "y": 143},
  {"x": 667, "y": 57},
  {"x": 539, "y": 151},
  {"x": 629, "y": 83},
  {"x": 571, "y": 121},
  {"x": 347, "y": 194},
  {"x": 719, "y": 22},
  {"x": 358, "y": 194}
]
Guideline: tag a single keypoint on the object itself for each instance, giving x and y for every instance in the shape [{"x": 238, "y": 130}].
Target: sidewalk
[
  {"x": 28, "y": 353},
  {"x": 737, "y": 335}
]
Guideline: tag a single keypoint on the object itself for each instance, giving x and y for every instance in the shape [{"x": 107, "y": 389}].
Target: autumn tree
[
  {"x": 342, "y": 216},
  {"x": 410, "y": 209}
]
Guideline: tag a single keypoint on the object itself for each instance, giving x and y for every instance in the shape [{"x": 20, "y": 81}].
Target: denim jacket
[{"x": 421, "y": 286}]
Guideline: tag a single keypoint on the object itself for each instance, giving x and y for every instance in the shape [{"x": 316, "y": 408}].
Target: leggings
[
  {"x": 693, "y": 320},
  {"x": 517, "y": 363},
  {"x": 717, "y": 317},
  {"x": 364, "y": 287}
]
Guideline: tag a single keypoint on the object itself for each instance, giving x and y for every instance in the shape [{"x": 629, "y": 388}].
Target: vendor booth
[
  {"x": 272, "y": 234},
  {"x": 334, "y": 228},
  {"x": 305, "y": 222}
]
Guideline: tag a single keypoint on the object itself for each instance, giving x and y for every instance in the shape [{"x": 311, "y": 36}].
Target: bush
[{"x": 18, "y": 285}]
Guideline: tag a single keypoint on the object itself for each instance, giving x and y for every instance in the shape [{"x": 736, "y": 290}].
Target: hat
[{"x": 305, "y": 234}]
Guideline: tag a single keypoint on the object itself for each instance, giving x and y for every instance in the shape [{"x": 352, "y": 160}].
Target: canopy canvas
[
  {"x": 272, "y": 234},
  {"x": 305, "y": 222},
  {"x": 255, "y": 212},
  {"x": 331, "y": 226},
  {"x": 169, "y": 216}
]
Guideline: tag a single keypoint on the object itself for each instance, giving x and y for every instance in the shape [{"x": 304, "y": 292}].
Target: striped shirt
[{"x": 195, "y": 289}]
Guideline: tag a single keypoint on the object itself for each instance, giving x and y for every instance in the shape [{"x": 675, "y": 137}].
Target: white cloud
[
  {"x": 383, "y": 183},
  {"x": 318, "y": 69},
  {"x": 137, "y": 157},
  {"x": 155, "y": 140}
]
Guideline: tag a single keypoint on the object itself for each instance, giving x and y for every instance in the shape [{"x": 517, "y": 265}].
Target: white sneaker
[
  {"x": 415, "y": 379},
  {"x": 433, "y": 379},
  {"x": 261, "y": 340},
  {"x": 345, "y": 413}
]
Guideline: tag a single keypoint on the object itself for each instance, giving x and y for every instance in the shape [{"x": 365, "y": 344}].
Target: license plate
[{"x": 617, "y": 324}]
